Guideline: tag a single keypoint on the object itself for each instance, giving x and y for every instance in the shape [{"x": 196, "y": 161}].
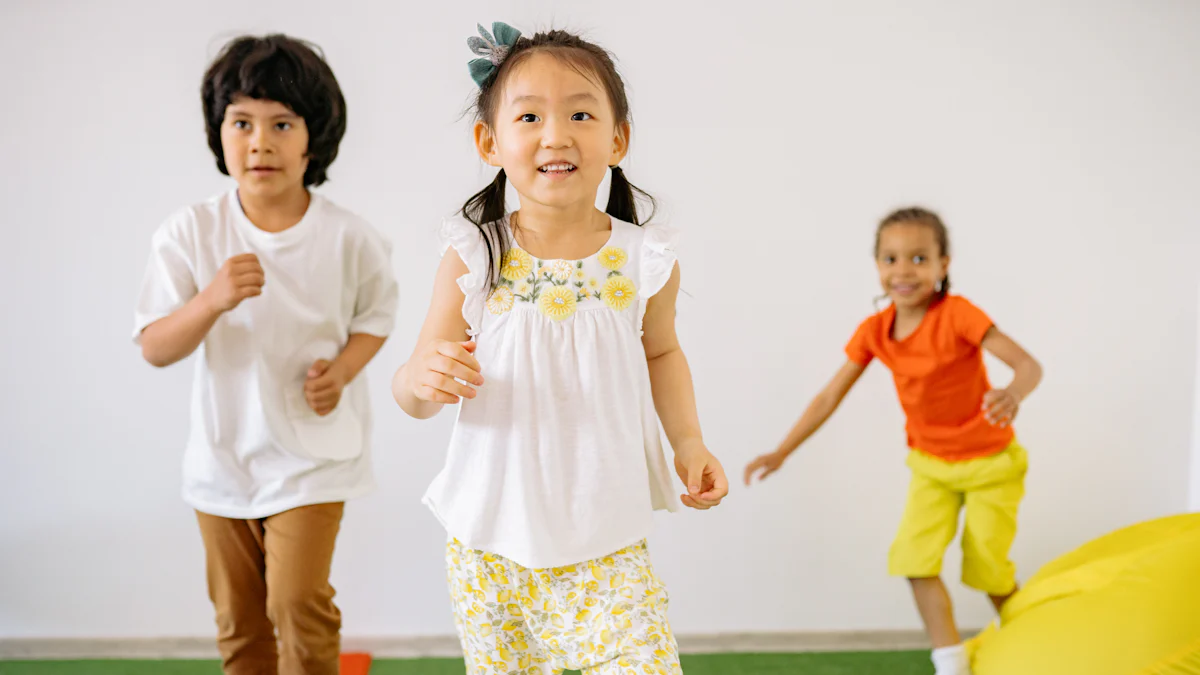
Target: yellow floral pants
[{"x": 603, "y": 617}]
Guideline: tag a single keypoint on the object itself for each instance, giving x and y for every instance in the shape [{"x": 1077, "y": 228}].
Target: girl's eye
[
  {"x": 581, "y": 117},
  {"x": 241, "y": 124},
  {"x": 530, "y": 118},
  {"x": 283, "y": 126},
  {"x": 918, "y": 259}
]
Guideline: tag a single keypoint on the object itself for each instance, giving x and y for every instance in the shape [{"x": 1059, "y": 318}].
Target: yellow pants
[
  {"x": 603, "y": 617},
  {"x": 990, "y": 489}
]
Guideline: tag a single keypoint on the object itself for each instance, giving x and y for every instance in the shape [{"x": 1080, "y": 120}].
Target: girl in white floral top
[{"x": 554, "y": 326}]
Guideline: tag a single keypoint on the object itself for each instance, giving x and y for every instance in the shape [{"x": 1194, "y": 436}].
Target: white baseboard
[{"x": 447, "y": 646}]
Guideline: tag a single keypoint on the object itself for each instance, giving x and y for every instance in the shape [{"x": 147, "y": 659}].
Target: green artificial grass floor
[{"x": 858, "y": 663}]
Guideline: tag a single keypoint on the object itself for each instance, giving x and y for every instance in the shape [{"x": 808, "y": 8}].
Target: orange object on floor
[{"x": 356, "y": 664}]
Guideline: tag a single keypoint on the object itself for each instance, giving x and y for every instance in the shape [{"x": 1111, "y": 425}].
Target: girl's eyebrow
[{"x": 585, "y": 96}]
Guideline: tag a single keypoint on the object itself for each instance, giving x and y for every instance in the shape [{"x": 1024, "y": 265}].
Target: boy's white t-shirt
[{"x": 255, "y": 448}]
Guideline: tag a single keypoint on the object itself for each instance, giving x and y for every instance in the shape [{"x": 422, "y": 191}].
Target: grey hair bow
[{"x": 492, "y": 49}]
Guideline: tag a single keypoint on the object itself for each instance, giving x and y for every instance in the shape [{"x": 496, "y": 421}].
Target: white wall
[
  {"x": 1194, "y": 477},
  {"x": 1058, "y": 139}
]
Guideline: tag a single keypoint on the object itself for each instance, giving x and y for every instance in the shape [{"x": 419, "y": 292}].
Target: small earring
[{"x": 938, "y": 288}]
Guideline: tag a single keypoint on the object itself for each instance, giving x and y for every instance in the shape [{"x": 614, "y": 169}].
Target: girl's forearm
[
  {"x": 1026, "y": 378},
  {"x": 674, "y": 398},
  {"x": 813, "y": 418}
]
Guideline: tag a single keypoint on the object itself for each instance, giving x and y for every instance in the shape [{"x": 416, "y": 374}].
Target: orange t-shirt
[{"x": 940, "y": 378}]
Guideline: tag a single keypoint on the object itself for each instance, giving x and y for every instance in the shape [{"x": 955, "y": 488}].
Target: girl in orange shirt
[{"x": 963, "y": 452}]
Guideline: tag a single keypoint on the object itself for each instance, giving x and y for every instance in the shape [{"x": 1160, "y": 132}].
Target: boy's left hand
[
  {"x": 323, "y": 387},
  {"x": 703, "y": 476},
  {"x": 1000, "y": 407}
]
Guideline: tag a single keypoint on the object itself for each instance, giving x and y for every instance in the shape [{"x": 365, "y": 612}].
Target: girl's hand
[
  {"x": 766, "y": 464},
  {"x": 436, "y": 368},
  {"x": 702, "y": 474},
  {"x": 1000, "y": 407}
]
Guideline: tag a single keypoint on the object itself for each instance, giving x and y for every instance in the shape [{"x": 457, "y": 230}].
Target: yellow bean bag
[{"x": 1127, "y": 603}]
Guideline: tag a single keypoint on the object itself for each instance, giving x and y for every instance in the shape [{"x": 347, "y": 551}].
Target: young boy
[{"x": 289, "y": 297}]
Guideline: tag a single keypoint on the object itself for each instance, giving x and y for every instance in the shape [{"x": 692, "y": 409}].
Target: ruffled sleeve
[
  {"x": 658, "y": 261},
  {"x": 467, "y": 241}
]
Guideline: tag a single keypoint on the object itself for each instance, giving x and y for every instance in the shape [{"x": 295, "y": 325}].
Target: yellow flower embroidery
[
  {"x": 522, "y": 288},
  {"x": 561, "y": 270},
  {"x": 517, "y": 265},
  {"x": 580, "y": 275},
  {"x": 557, "y": 302},
  {"x": 613, "y": 258},
  {"x": 618, "y": 293}
]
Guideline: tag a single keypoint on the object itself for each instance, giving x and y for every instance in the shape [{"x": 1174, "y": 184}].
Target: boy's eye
[
  {"x": 581, "y": 117},
  {"x": 918, "y": 259},
  {"x": 530, "y": 118},
  {"x": 889, "y": 260}
]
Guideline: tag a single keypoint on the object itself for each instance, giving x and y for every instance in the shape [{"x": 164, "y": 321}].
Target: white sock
[{"x": 951, "y": 661}]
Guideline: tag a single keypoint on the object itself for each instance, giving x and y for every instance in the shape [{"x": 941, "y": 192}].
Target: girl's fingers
[
  {"x": 456, "y": 369},
  {"x": 457, "y": 352},
  {"x": 428, "y": 393},
  {"x": 450, "y": 386}
]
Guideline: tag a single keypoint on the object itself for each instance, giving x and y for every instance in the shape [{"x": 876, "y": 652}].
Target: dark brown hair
[
  {"x": 486, "y": 208},
  {"x": 282, "y": 69},
  {"x": 916, "y": 215}
]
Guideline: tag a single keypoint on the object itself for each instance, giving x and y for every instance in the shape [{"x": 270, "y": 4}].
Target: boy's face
[
  {"x": 266, "y": 147},
  {"x": 554, "y": 134}
]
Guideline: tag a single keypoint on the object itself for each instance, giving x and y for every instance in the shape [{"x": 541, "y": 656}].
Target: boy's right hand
[
  {"x": 239, "y": 278},
  {"x": 766, "y": 464},
  {"x": 436, "y": 369}
]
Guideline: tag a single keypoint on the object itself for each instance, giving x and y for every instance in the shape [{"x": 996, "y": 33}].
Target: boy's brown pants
[{"x": 270, "y": 577}]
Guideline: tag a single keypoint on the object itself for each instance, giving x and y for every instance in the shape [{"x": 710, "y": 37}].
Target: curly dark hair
[{"x": 287, "y": 70}]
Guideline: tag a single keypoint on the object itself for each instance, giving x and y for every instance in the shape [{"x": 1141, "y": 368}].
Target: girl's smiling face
[
  {"x": 911, "y": 263},
  {"x": 554, "y": 133}
]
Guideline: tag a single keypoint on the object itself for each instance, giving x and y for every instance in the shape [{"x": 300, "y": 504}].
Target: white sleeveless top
[{"x": 558, "y": 460}]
